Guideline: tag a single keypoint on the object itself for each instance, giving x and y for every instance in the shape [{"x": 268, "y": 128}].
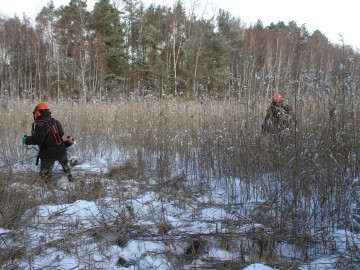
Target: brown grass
[{"x": 204, "y": 142}]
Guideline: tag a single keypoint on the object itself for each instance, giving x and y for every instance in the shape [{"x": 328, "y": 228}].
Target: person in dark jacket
[
  {"x": 278, "y": 116},
  {"x": 47, "y": 133}
]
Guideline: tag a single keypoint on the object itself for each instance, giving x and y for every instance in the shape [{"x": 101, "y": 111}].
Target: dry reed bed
[
  {"x": 208, "y": 140},
  {"x": 306, "y": 180},
  {"x": 226, "y": 134}
]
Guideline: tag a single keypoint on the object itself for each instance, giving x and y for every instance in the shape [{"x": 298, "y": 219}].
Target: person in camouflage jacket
[{"x": 278, "y": 116}]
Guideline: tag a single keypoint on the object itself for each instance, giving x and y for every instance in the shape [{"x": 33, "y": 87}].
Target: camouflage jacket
[{"x": 276, "y": 119}]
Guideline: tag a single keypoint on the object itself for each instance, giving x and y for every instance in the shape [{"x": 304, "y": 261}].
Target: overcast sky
[{"x": 330, "y": 17}]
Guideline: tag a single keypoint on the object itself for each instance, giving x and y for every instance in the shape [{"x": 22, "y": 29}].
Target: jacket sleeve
[
  {"x": 60, "y": 128},
  {"x": 37, "y": 135}
]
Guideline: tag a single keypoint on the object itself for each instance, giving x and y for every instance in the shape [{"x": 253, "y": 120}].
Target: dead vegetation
[{"x": 182, "y": 150}]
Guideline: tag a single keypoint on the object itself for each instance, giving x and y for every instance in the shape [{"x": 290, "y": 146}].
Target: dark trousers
[{"x": 47, "y": 165}]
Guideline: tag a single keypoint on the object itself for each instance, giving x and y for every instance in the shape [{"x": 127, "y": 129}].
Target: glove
[
  {"x": 23, "y": 139},
  {"x": 68, "y": 141}
]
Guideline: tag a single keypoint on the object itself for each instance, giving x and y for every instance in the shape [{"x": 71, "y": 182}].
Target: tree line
[{"x": 117, "y": 51}]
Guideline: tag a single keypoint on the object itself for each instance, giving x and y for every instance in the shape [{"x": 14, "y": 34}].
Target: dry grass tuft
[
  {"x": 85, "y": 189},
  {"x": 123, "y": 172},
  {"x": 15, "y": 199},
  {"x": 195, "y": 248}
]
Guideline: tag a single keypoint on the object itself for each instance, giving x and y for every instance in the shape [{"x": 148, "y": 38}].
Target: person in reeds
[
  {"x": 278, "y": 116},
  {"x": 48, "y": 133}
]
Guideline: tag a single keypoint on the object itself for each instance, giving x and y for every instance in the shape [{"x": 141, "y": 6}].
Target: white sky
[{"x": 330, "y": 17}]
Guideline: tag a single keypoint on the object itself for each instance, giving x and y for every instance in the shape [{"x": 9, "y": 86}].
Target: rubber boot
[{"x": 68, "y": 173}]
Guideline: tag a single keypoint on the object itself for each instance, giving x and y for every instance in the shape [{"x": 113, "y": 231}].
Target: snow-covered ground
[{"x": 107, "y": 221}]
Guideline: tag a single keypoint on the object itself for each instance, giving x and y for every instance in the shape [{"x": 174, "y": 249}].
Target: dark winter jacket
[
  {"x": 276, "y": 118},
  {"x": 47, "y": 133}
]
